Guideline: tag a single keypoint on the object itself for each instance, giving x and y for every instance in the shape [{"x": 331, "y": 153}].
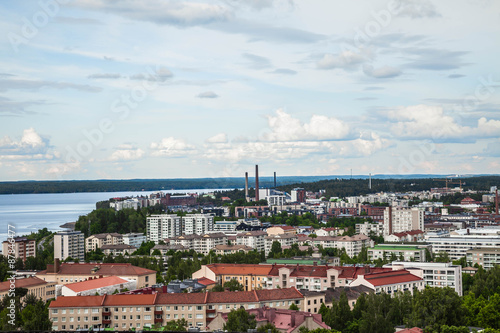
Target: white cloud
[
  {"x": 218, "y": 138},
  {"x": 286, "y": 128},
  {"x": 30, "y": 143},
  {"x": 381, "y": 72},
  {"x": 172, "y": 147},
  {"x": 347, "y": 60},
  {"x": 207, "y": 94},
  {"x": 126, "y": 154}
]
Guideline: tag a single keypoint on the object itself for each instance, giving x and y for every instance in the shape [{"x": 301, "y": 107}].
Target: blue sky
[{"x": 164, "y": 89}]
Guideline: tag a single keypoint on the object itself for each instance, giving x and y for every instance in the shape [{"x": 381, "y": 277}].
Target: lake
[{"x": 31, "y": 212}]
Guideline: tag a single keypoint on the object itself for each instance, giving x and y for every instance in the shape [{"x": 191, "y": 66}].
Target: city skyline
[{"x": 165, "y": 89}]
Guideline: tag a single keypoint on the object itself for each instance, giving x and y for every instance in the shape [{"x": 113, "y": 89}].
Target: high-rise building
[
  {"x": 198, "y": 224},
  {"x": 69, "y": 244},
  {"x": 298, "y": 195},
  {"x": 161, "y": 226},
  {"x": 399, "y": 219},
  {"x": 21, "y": 247}
]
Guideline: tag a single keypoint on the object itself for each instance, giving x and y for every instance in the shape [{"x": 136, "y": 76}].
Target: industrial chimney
[
  {"x": 256, "y": 182},
  {"x": 246, "y": 186},
  {"x": 496, "y": 202},
  {"x": 274, "y": 179}
]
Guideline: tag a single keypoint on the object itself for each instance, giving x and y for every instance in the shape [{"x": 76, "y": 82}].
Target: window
[
  {"x": 138, "y": 309},
  {"x": 63, "y": 311},
  {"x": 168, "y": 308},
  {"x": 131, "y": 317},
  {"x": 147, "y": 317},
  {"x": 199, "y": 316},
  {"x": 176, "y": 316},
  {"x": 176, "y": 308},
  {"x": 71, "y": 319},
  {"x": 71, "y": 311},
  {"x": 168, "y": 316},
  {"x": 124, "y": 309},
  {"x": 116, "y": 309},
  {"x": 199, "y": 308},
  {"x": 95, "y": 310},
  {"x": 55, "y": 319},
  {"x": 182, "y": 308},
  {"x": 63, "y": 319},
  {"x": 190, "y": 308},
  {"x": 138, "y": 317},
  {"x": 54, "y": 311},
  {"x": 86, "y": 319},
  {"x": 95, "y": 318},
  {"x": 190, "y": 316},
  {"x": 124, "y": 317}
]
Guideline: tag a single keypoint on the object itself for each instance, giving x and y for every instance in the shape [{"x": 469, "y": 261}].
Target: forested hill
[
  {"x": 343, "y": 185},
  {"x": 352, "y": 187}
]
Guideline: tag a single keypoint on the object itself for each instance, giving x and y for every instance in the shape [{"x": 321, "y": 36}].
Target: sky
[{"x": 100, "y": 89}]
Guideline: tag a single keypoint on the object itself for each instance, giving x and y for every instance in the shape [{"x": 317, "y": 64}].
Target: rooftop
[
  {"x": 22, "y": 283},
  {"x": 95, "y": 283}
]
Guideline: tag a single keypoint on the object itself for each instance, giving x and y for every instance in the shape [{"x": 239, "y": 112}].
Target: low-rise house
[
  {"x": 352, "y": 294},
  {"x": 188, "y": 285},
  {"x": 118, "y": 249},
  {"x": 164, "y": 248},
  {"x": 231, "y": 249},
  {"x": 280, "y": 230},
  {"x": 100, "y": 286},
  {"x": 200, "y": 243},
  {"x": 97, "y": 241},
  {"x": 35, "y": 286},
  {"x": 76, "y": 272},
  {"x": 402, "y": 252},
  {"x": 406, "y": 236},
  {"x": 286, "y": 321},
  {"x": 390, "y": 282}
]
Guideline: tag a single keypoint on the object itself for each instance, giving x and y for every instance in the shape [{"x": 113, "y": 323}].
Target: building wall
[
  {"x": 20, "y": 248},
  {"x": 69, "y": 244}
]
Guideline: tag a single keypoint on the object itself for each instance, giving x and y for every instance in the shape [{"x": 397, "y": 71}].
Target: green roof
[{"x": 395, "y": 248}]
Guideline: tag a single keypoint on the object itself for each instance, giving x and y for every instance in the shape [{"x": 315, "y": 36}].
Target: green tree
[
  {"x": 233, "y": 285},
  {"x": 239, "y": 321},
  {"x": 489, "y": 316},
  {"x": 265, "y": 328},
  {"x": 276, "y": 250},
  {"x": 179, "y": 325},
  {"x": 293, "y": 307}
]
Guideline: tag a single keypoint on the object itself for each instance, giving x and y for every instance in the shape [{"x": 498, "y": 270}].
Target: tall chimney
[
  {"x": 390, "y": 220},
  {"x": 274, "y": 179},
  {"x": 496, "y": 201},
  {"x": 246, "y": 186},
  {"x": 370, "y": 182},
  {"x": 256, "y": 182}
]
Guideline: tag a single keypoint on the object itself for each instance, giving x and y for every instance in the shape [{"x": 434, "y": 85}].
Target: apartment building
[
  {"x": 198, "y": 224},
  {"x": 97, "y": 241},
  {"x": 398, "y": 219},
  {"x": 20, "y": 247},
  {"x": 435, "y": 274},
  {"x": 69, "y": 244},
  {"x": 390, "y": 282},
  {"x": 126, "y": 312},
  {"x": 118, "y": 249},
  {"x": 330, "y": 231},
  {"x": 368, "y": 228},
  {"x": 286, "y": 239},
  {"x": 36, "y": 286},
  {"x": 405, "y": 252},
  {"x": 161, "y": 226},
  {"x": 457, "y": 246},
  {"x": 253, "y": 239},
  {"x": 486, "y": 257},
  {"x": 353, "y": 245},
  {"x": 280, "y": 230},
  {"x": 231, "y": 249},
  {"x": 200, "y": 243},
  {"x": 134, "y": 238},
  {"x": 250, "y": 276},
  {"x": 66, "y": 273}
]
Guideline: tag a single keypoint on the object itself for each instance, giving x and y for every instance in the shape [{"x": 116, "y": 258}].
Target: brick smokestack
[
  {"x": 496, "y": 201},
  {"x": 256, "y": 182},
  {"x": 274, "y": 179},
  {"x": 390, "y": 220},
  {"x": 246, "y": 186}
]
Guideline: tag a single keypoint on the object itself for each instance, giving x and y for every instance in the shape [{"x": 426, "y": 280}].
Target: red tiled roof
[
  {"x": 140, "y": 299},
  {"x": 22, "y": 283},
  {"x": 239, "y": 269},
  {"x": 277, "y": 294},
  {"x": 232, "y": 297},
  {"x": 181, "y": 298},
  {"x": 77, "y": 301},
  {"x": 353, "y": 272},
  {"x": 412, "y": 330},
  {"x": 104, "y": 269},
  {"x": 95, "y": 283},
  {"x": 414, "y": 232},
  {"x": 393, "y": 277},
  {"x": 206, "y": 282}
]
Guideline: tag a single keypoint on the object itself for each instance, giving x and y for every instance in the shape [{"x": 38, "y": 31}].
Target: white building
[
  {"x": 368, "y": 228},
  {"x": 225, "y": 226},
  {"x": 435, "y": 274},
  {"x": 198, "y": 224},
  {"x": 390, "y": 282},
  {"x": 69, "y": 244},
  {"x": 353, "y": 245},
  {"x": 200, "y": 243},
  {"x": 457, "y": 246},
  {"x": 161, "y": 226},
  {"x": 101, "y": 286},
  {"x": 283, "y": 239},
  {"x": 253, "y": 239},
  {"x": 398, "y": 219},
  {"x": 134, "y": 238},
  {"x": 97, "y": 241}
]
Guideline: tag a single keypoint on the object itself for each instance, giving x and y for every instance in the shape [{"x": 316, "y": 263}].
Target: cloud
[
  {"x": 416, "y": 9},
  {"x": 286, "y": 128},
  {"x": 207, "y": 94},
  {"x": 31, "y": 146},
  {"x": 171, "y": 147},
  {"x": 347, "y": 60},
  {"x": 37, "y": 84},
  {"x": 9, "y": 107},
  {"x": 374, "y": 88},
  {"x": 381, "y": 72},
  {"x": 257, "y": 62},
  {"x": 366, "y": 98},
  {"x": 76, "y": 20},
  {"x": 455, "y": 76},
  {"x": 160, "y": 74},
  {"x": 104, "y": 76},
  {"x": 170, "y": 12},
  {"x": 434, "y": 59},
  {"x": 218, "y": 138},
  {"x": 126, "y": 154},
  {"x": 430, "y": 122},
  {"x": 285, "y": 71}
]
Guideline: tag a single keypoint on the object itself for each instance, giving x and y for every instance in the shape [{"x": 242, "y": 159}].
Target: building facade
[
  {"x": 69, "y": 244},
  {"x": 20, "y": 247},
  {"x": 457, "y": 246},
  {"x": 404, "y": 252},
  {"x": 134, "y": 238},
  {"x": 399, "y": 219},
  {"x": 486, "y": 257},
  {"x": 97, "y": 241}
]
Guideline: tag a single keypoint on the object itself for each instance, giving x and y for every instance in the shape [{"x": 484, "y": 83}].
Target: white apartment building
[
  {"x": 457, "y": 246},
  {"x": 283, "y": 239},
  {"x": 198, "y": 224},
  {"x": 435, "y": 274},
  {"x": 353, "y": 245},
  {"x": 398, "y": 219},
  {"x": 200, "y": 243},
  {"x": 488, "y": 258},
  {"x": 161, "y": 226},
  {"x": 225, "y": 226},
  {"x": 370, "y": 228},
  {"x": 69, "y": 244},
  {"x": 97, "y": 241},
  {"x": 253, "y": 239},
  {"x": 134, "y": 238}
]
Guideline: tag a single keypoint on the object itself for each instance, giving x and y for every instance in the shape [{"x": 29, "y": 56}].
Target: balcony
[
  {"x": 106, "y": 321},
  {"x": 106, "y": 313},
  {"x": 158, "y": 312},
  {"x": 158, "y": 320}
]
